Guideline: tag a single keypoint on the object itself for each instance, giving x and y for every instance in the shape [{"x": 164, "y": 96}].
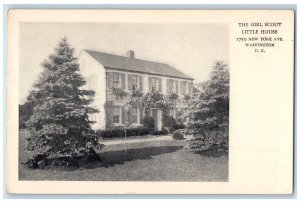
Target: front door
[{"x": 154, "y": 115}]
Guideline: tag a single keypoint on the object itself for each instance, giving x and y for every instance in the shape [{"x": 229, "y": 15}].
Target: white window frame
[
  {"x": 135, "y": 83},
  {"x": 137, "y": 115},
  {"x": 120, "y": 114},
  {"x": 154, "y": 83},
  {"x": 185, "y": 87},
  {"x": 115, "y": 81}
]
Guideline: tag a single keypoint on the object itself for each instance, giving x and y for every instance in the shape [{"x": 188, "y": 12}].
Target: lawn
[{"x": 165, "y": 160}]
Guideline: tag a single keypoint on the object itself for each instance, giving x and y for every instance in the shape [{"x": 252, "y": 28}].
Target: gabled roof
[{"x": 135, "y": 65}]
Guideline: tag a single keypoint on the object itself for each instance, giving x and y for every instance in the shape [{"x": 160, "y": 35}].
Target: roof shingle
[{"x": 136, "y": 65}]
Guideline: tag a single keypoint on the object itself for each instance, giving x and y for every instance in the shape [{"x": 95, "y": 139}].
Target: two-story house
[{"x": 104, "y": 71}]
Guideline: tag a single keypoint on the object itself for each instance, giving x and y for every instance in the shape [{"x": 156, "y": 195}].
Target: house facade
[{"x": 105, "y": 73}]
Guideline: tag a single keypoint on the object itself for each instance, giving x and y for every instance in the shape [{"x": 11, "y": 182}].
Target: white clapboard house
[{"x": 104, "y": 71}]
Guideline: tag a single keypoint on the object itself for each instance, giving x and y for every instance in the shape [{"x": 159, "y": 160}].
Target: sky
[{"x": 190, "y": 48}]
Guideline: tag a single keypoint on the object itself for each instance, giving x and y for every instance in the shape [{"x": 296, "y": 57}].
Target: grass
[{"x": 144, "y": 161}]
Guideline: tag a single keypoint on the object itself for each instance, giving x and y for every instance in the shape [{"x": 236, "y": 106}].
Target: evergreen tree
[
  {"x": 59, "y": 124},
  {"x": 209, "y": 111}
]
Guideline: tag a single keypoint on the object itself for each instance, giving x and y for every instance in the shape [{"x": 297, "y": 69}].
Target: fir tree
[
  {"x": 59, "y": 124},
  {"x": 209, "y": 111}
]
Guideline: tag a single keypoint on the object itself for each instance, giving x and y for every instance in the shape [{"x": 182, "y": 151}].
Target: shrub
[
  {"x": 178, "y": 134},
  {"x": 212, "y": 140},
  {"x": 169, "y": 122},
  {"x": 148, "y": 122},
  {"x": 178, "y": 126},
  {"x": 163, "y": 131},
  {"x": 136, "y": 93},
  {"x": 173, "y": 96},
  {"x": 120, "y": 132},
  {"x": 118, "y": 92}
]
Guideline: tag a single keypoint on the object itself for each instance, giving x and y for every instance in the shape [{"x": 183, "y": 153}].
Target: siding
[{"x": 90, "y": 68}]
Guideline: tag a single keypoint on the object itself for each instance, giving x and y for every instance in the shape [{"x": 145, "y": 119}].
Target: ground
[{"x": 157, "y": 160}]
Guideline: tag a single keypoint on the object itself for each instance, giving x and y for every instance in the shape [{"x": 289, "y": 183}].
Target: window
[
  {"x": 172, "y": 86},
  {"x": 116, "y": 80},
  {"x": 116, "y": 114},
  {"x": 183, "y": 87},
  {"x": 134, "y": 115},
  {"x": 154, "y": 84},
  {"x": 134, "y": 82}
]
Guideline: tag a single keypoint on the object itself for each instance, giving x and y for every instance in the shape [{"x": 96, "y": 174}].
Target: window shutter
[
  {"x": 190, "y": 87},
  {"x": 109, "y": 79},
  {"x": 159, "y": 84},
  {"x": 141, "y": 83},
  {"x": 129, "y": 82},
  {"x": 109, "y": 114},
  {"x": 122, "y": 81},
  {"x": 181, "y": 87},
  {"x": 129, "y": 115},
  {"x": 149, "y": 84},
  {"x": 141, "y": 109},
  {"x": 123, "y": 114},
  {"x": 176, "y": 86},
  {"x": 169, "y": 85}
]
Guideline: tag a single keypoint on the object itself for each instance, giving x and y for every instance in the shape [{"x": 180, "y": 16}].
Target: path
[{"x": 135, "y": 140}]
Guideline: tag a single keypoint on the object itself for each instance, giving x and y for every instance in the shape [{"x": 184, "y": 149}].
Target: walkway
[{"x": 135, "y": 140}]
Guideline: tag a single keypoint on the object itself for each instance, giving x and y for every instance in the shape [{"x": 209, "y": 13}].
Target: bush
[
  {"x": 178, "y": 126},
  {"x": 178, "y": 134},
  {"x": 163, "y": 131},
  {"x": 211, "y": 140},
  {"x": 120, "y": 132},
  {"x": 169, "y": 122},
  {"x": 148, "y": 122}
]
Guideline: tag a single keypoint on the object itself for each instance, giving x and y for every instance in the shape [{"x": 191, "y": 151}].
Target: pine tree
[
  {"x": 209, "y": 111},
  {"x": 59, "y": 124}
]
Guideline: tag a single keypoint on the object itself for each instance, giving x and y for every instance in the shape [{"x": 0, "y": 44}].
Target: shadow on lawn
[
  {"x": 111, "y": 158},
  {"x": 119, "y": 157}
]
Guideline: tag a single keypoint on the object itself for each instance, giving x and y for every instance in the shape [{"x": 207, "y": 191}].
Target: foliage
[
  {"x": 109, "y": 123},
  {"x": 136, "y": 93},
  {"x": 163, "y": 131},
  {"x": 120, "y": 132},
  {"x": 60, "y": 125},
  {"x": 119, "y": 92},
  {"x": 148, "y": 122},
  {"x": 186, "y": 97},
  {"x": 153, "y": 100},
  {"x": 178, "y": 134},
  {"x": 209, "y": 111},
  {"x": 178, "y": 126},
  {"x": 173, "y": 96},
  {"x": 215, "y": 140},
  {"x": 25, "y": 111},
  {"x": 169, "y": 122}
]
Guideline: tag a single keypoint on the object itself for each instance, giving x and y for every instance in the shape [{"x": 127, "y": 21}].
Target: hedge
[{"x": 138, "y": 131}]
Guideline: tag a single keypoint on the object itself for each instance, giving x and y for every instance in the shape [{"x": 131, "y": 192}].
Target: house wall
[
  {"x": 146, "y": 89},
  {"x": 146, "y": 80},
  {"x": 95, "y": 75}
]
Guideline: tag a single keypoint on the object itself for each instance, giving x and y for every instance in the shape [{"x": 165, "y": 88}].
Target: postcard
[{"x": 150, "y": 101}]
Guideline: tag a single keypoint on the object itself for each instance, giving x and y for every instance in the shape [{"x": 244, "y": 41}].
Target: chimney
[{"x": 130, "y": 54}]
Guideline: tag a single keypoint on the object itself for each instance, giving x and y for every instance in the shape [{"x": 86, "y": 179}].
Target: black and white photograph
[
  {"x": 123, "y": 102},
  {"x": 147, "y": 102}
]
